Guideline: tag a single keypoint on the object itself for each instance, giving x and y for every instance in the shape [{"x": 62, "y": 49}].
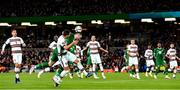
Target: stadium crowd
[
  {"x": 11, "y": 8},
  {"x": 36, "y": 50}
]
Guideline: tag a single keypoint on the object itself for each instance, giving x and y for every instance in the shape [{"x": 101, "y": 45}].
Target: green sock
[
  {"x": 131, "y": 72},
  {"x": 58, "y": 71},
  {"x": 42, "y": 65}
]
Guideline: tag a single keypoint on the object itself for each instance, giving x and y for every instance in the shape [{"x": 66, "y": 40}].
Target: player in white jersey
[
  {"x": 16, "y": 43},
  {"x": 95, "y": 56},
  {"x": 67, "y": 56},
  {"x": 171, "y": 55},
  {"x": 133, "y": 57},
  {"x": 149, "y": 61}
]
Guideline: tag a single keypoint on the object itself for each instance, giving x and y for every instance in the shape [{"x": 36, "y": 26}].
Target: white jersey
[
  {"x": 132, "y": 50},
  {"x": 94, "y": 46},
  {"x": 53, "y": 45},
  {"x": 171, "y": 53},
  {"x": 61, "y": 43},
  {"x": 148, "y": 54},
  {"x": 15, "y": 43},
  {"x": 78, "y": 51}
]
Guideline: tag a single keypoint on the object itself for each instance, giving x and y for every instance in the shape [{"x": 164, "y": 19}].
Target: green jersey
[
  {"x": 159, "y": 54},
  {"x": 69, "y": 40},
  {"x": 126, "y": 56}
]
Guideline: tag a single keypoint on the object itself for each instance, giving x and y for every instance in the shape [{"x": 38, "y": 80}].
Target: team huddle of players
[
  {"x": 158, "y": 55},
  {"x": 67, "y": 54}
]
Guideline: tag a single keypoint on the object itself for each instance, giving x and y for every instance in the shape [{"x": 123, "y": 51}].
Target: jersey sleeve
[
  {"x": 98, "y": 44},
  {"x": 61, "y": 42},
  {"x": 87, "y": 45},
  {"x": 145, "y": 55},
  {"x": 51, "y": 45},
  {"x": 21, "y": 40},
  {"x": 7, "y": 41},
  {"x": 168, "y": 52}
]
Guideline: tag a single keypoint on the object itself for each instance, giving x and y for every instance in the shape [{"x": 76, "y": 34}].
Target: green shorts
[
  {"x": 89, "y": 60},
  {"x": 54, "y": 55},
  {"x": 160, "y": 63}
]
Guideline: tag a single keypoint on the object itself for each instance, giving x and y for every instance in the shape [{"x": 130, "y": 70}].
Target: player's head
[
  {"x": 78, "y": 29},
  {"x": 14, "y": 32},
  {"x": 149, "y": 46},
  {"x": 159, "y": 44},
  {"x": 172, "y": 45},
  {"x": 66, "y": 33},
  {"x": 93, "y": 38},
  {"x": 132, "y": 41}
]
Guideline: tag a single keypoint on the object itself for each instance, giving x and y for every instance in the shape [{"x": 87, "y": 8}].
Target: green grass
[{"x": 113, "y": 81}]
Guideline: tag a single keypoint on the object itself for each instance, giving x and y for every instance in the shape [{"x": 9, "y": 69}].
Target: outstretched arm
[{"x": 4, "y": 45}]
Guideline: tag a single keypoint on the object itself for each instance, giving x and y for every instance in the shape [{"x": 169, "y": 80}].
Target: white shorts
[
  {"x": 17, "y": 58},
  {"x": 95, "y": 58},
  {"x": 68, "y": 57},
  {"x": 149, "y": 63},
  {"x": 173, "y": 64},
  {"x": 133, "y": 61}
]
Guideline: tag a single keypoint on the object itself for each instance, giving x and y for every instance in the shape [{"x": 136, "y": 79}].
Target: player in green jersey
[{"x": 159, "y": 55}]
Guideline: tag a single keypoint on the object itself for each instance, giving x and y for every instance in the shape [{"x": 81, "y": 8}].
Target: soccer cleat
[
  {"x": 57, "y": 81},
  {"x": 155, "y": 76},
  {"x": 96, "y": 77},
  {"x": 89, "y": 74},
  {"x": 146, "y": 74},
  {"x": 70, "y": 76},
  {"x": 138, "y": 77},
  {"x": 104, "y": 77},
  {"x": 82, "y": 75},
  {"x": 167, "y": 77},
  {"x": 40, "y": 73},
  {"x": 32, "y": 69},
  {"x": 150, "y": 74}
]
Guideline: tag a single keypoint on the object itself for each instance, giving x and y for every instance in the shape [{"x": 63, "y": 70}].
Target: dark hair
[
  {"x": 66, "y": 32},
  {"x": 13, "y": 30}
]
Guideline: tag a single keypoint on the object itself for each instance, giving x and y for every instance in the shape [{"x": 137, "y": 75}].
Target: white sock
[
  {"x": 63, "y": 73},
  {"x": 101, "y": 68},
  {"x": 94, "y": 70},
  {"x": 79, "y": 65},
  {"x": 152, "y": 68},
  {"x": 90, "y": 69},
  {"x": 78, "y": 74},
  {"x": 137, "y": 72},
  {"x": 17, "y": 75},
  {"x": 47, "y": 69},
  {"x": 147, "y": 69}
]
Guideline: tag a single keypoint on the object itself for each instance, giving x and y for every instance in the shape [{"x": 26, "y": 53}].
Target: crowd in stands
[{"x": 12, "y": 8}]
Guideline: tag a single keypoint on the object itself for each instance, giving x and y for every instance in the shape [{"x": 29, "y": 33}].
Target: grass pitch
[{"x": 114, "y": 81}]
